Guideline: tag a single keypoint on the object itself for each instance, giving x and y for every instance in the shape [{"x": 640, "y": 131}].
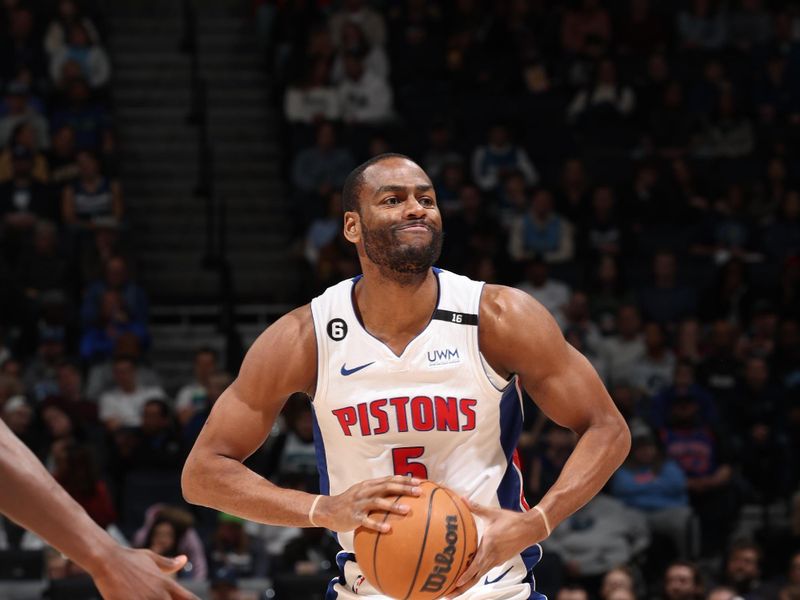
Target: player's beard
[{"x": 384, "y": 248}]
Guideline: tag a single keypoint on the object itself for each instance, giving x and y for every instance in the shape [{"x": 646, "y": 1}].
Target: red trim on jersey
[{"x": 522, "y": 501}]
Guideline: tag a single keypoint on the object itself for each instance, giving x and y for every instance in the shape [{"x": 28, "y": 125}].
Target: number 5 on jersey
[{"x": 403, "y": 465}]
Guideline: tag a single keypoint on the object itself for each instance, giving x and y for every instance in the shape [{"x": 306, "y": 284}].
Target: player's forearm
[
  {"x": 600, "y": 451},
  {"x": 32, "y": 498},
  {"x": 225, "y": 484}
]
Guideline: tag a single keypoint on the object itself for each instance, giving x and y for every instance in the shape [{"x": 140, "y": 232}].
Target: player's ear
[{"x": 352, "y": 226}]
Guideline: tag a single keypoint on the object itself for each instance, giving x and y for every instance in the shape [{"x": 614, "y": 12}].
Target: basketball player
[
  {"x": 32, "y": 498},
  {"x": 415, "y": 373}
]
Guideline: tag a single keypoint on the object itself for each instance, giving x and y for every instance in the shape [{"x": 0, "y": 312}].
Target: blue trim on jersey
[
  {"x": 510, "y": 488},
  {"x": 322, "y": 461}
]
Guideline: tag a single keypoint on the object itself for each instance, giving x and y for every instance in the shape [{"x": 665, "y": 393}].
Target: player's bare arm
[
  {"x": 32, "y": 498},
  {"x": 280, "y": 362},
  {"x": 518, "y": 335}
]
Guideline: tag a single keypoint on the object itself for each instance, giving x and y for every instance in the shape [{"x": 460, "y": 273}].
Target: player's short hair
[{"x": 355, "y": 180}]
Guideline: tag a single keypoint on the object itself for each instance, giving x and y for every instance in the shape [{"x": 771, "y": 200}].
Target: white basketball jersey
[{"x": 438, "y": 411}]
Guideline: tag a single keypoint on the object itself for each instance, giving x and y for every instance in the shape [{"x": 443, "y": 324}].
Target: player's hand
[
  {"x": 350, "y": 509},
  {"x": 140, "y": 575},
  {"x": 506, "y": 533}
]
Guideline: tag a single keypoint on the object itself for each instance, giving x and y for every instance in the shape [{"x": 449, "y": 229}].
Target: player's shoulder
[
  {"x": 501, "y": 302},
  {"x": 295, "y": 329}
]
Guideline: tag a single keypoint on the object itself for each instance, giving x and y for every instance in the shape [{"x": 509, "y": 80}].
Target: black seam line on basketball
[
  {"x": 375, "y": 548},
  {"x": 464, "y": 539},
  {"x": 447, "y": 315},
  {"x": 424, "y": 540}
]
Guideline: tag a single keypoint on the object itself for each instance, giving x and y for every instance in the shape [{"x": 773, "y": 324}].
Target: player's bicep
[{"x": 523, "y": 338}]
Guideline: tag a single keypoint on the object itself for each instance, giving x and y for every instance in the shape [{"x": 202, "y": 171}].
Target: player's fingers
[
  {"x": 391, "y": 488},
  {"x": 375, "y": 524},
  {"x": 167, "y": 564},
  {"x": 390, "y": 505},
  {"x": 177, "y": 592},
  {"x": 479, "y": 509},
  {"x": 407, "y": 479}
]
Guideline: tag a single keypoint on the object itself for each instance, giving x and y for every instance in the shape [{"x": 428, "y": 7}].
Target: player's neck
[{"x": 393, "y": 311}]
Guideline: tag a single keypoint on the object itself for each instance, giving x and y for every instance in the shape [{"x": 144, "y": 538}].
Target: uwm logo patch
[{"x": 445, "y": 356}]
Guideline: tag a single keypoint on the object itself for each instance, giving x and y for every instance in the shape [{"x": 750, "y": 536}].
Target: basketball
[{"x": 425, "y": 552}]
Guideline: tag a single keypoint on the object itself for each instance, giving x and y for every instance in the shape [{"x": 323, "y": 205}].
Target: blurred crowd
[{"x": 632, "y": 164}]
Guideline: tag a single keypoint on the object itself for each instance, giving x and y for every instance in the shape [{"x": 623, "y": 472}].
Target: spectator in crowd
[
  {"x": 702, "y": 453},
  {"x": 575, "y": 315},
  {"x": 358, "y": 12},
  {"x": 601, "y": 232},
  {"x": 682, "y": 581},
  {"x": 551, "y": 293},
  {"x": 312, "y": 551},
  {"x": 43, "y": 267},
  {"x": 742, "y": 571},
  {"x": 782, "y": 236},
  {"x": 91, "y": 196},
  {"x": 233, "y": 549},
  {"x": 19, "y": 110},
  {"x": 156, "y": 443},
  {"x": 40, "y": 375},
  {"x": 607, "y": 293},
  {"x": 100, "y": 377},
  {"x": 90, "y": 122},
  {"x": 116, "y": 278},
  {"x": 602, "y": 535},
  {"x": 77, "y": 474},
  {"x": 366, "y": 98},
  {"x": 68, "y": 13},
  {"x": 122, "y": 405},
  {"x": 683, "y": 384},
  {"x": 224, "y": 585},
  {"x": 573, "y": 190},
  {"x": 324, "y": 231},
  {"x": 312, "y": 98},
  {"x": 666, "y": 300},
  {"x": 354, "y": 41},
  {"x": 541, "y": 230},
  {"x": 587, "y": 20},
  {"x": 546, "y": 460},
  {"x": 656, "y": 486},
  {"x": 496, "y": 159},
  {"x": 19, "y": 46},
  {"x": 293, "y": 452},
  {"x": 723, "y": 592},
  {"x": 602, "y": 112},
  {"x": 616, "y": 580},
  {"x": 82, "y": 49},
  {"x": 169, "y": 531},
  {"x": 63, "y": 162},
  {"x": 702, "y": 26},
  {"x": 23, "y": 201},
  {"x": 319, "y": 170},
  {"x": 192, "y": 397},
  {"x": 625, "y": 350},
  {"x": 24, "y": 135},
  {"x": 99, "y": 340},
  {"x": 217, "y": 383},
  {"x": 572, "y": 591}
]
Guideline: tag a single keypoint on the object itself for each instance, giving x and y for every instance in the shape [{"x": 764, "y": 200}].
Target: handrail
[{"x": 216, "y": 250}]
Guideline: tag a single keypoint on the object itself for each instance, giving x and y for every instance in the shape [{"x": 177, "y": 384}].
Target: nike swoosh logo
[
  {"x": 487, "y": 582},
  {"x": 345, "y": 371}
]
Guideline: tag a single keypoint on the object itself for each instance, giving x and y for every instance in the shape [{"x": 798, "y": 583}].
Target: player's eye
[
  {"x": 391, "y": 200},
  {"x": 426, "y": 201}
]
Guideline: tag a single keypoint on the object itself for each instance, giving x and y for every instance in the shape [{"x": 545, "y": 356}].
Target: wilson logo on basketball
[{"x": 443, "y": 562}]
